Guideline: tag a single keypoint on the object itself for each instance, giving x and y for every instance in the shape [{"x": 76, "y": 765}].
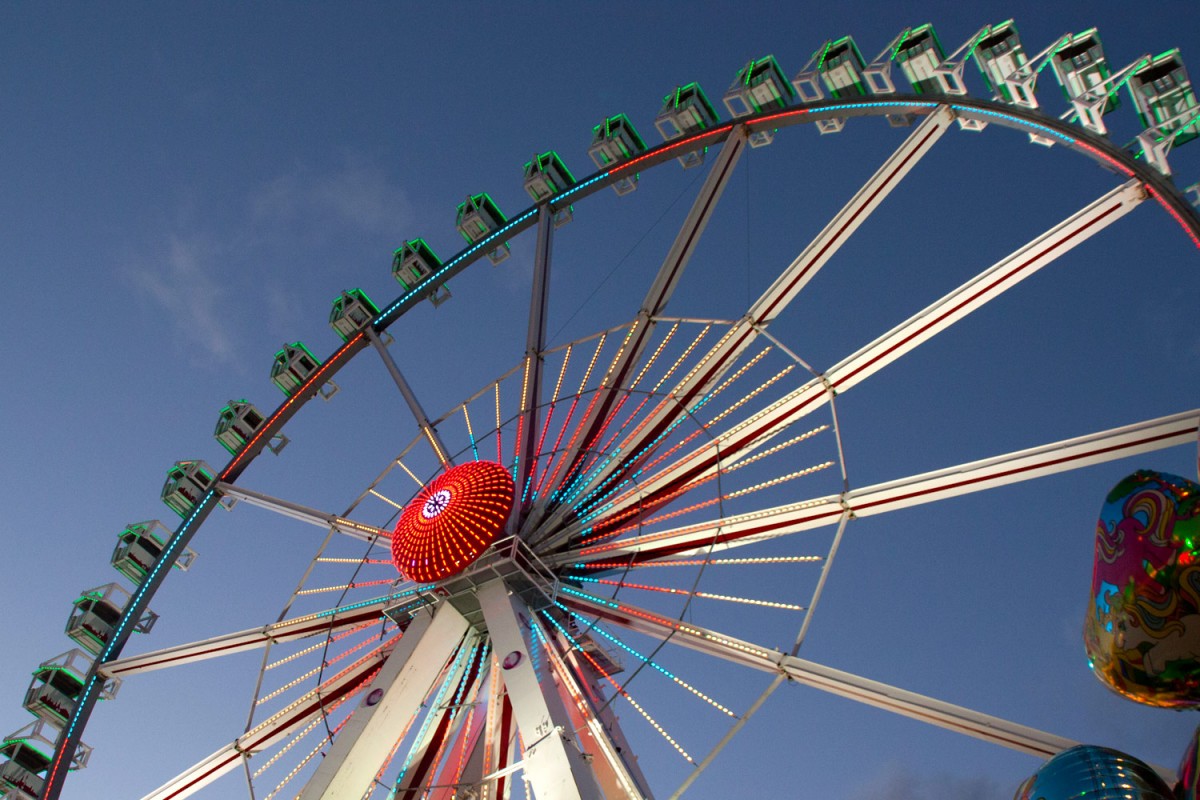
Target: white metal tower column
[
  {"x": 553, "y": 763},
  {"x": 394, "y": 697}
]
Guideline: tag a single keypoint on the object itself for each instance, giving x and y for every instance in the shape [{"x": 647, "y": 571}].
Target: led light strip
[
  {"x": 671, "y": 624},
  {"x": 387, "y": 500},
  {"x": 470, "y": 432},
  {"x": 649, "y": 662},
  {"x": 345, "y": 587},
  {"x": 296, "y": 739},
  {"x": 476, "y": 687},
  {"x": 634, "y": 414},
  {"x": 451, "y": 672},
  {"x": 313, "y": 672},
  {"x": 686, "y": 593},
  {"x": 690, "y": 562},
  {"x": 380, "y": 321},
  {"x": 312, "y": 753},
  {"x": 546, "y": 428},
  {"x": 645, "y": 714},
  {"x": 755, "y": 393},
  {"x": 455, "y": 704},
  {"x": 319, "y": 645},
  {"x": 582, "y": 507},
  {"x": 566, "y": 423},
  {"x": 642, "y": 524}
]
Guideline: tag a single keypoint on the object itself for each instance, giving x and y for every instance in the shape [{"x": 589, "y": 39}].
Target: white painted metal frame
[
  {"x": 746, "y": 437},
  {"x": 554, "y": 763},
  {"x": 785, "y": 288},
  {"x": 1022, "y": 465},
  {"x": 556, "y": 712},
  {"x": 389, "y": 703},
  {"x": 601, "y": 403},
  {"x": 252, "y": 639},
  {"x": 322, "y": 519}
]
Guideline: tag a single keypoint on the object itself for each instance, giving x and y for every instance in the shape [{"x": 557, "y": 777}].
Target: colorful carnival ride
[{"x": 528, "y": 552}]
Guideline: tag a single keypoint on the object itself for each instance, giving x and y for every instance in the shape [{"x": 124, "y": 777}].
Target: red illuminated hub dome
[{"x": 452, "y": 521}]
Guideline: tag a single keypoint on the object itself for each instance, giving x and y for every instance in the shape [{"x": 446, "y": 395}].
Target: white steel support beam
[
  {"x": 988, "y": 285},
  {"x": 414, "y": 405},
  {"x": 1021, "y": 465},
  {"x": 390, "y": 702},
  {"x": 601, "y": 405},
  {"x": 554, "y": 764},
  {"x": 322, "y": 519},
  {"x": 464, "y": 766},
  {"x": 843, "y": 225},
  {"x": 276, "y": 633},
  {"x": 599, "y": 732},
  {"x": 439, "y": 725},
  {"x": 844, "y": 684},
  {"x": 274, "y": 729},
  {"x": 725, "y": 354},
  {"x": 535, "y": 343},
  {"x": 746, "y": 437}
]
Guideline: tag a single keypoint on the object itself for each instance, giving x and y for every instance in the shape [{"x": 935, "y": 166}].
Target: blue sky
[{"x": 185, "y": 188}]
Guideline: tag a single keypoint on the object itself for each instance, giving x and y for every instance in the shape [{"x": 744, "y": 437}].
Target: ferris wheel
[{"x": 610, "y": 511}]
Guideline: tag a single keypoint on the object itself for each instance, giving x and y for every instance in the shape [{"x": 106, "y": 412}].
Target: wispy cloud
[
  {"x": 180, "y": 281},
  {"x": 357, "y": 195},
  {"x": 899, "y": 783},
  {"x": 201, "y": 272}
]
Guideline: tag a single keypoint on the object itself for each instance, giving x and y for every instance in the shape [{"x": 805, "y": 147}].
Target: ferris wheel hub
[{"x": 452, "y": 521}]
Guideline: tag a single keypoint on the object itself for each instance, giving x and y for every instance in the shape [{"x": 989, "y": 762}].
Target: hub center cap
[
  {"x": 452, "y": 521},
  {"x": 436, "y": 504}
]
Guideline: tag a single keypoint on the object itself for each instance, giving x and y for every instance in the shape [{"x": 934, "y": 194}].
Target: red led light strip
[
  {"x": 1175, "y": 215},
  {"x": 338, "y": 355},
  {"x": 715, "y": 133},
  {"x": 452, "y": 521}
]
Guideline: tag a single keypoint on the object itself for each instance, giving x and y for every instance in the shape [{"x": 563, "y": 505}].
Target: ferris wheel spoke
[
  {"x": 525, "y": 455},
  {"x": 554, "y": 764},
  {"x": 582, "y": 678},
  {"x": 319, "y": 624},
  {"x": 988, "y": 285},
  {"x": 697, "y": 385},
  {"x": 437, "y": 729},
  {"x": 414, "y": 405},
  {"x": 844, "y": 684},
  {"x": 322, "y": 519},
  {"x": 276, "y": 728},
  {"x": 1021, "y": 465},
  {"x": 396, "y": 696},
  {"x": 744, "y": 438},
  {"x": 625, "y": 362}
]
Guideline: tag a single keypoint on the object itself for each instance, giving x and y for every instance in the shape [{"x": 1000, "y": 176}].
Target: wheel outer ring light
[{"x": 452, "y": 520}]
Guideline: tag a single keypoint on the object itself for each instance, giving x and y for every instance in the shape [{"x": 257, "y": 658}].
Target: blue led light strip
[
  {"x": 643, "y": 658},
  {"x": 437, "y": 704},
  {"x": 589, "y": 597},
  {"x": 168, "y": 556},
  {"x": 1024, "y": 122},
  {"x": 487, "y": 241}
]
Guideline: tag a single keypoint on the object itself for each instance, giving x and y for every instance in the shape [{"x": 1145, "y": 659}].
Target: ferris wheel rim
[{"x": 1093, "y": 146}]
